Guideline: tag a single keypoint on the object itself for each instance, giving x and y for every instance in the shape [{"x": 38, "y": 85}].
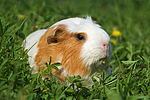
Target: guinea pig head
[{"x": 78, "y": 45}]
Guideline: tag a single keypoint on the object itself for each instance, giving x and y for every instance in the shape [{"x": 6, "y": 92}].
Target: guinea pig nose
[{"x": 105, "y": 45}]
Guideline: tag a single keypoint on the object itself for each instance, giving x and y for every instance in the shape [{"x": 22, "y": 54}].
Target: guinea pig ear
[
  {"x": 58, "y": 31},
  {"x": 54, "y": 38},
  {"x": 51, "y": 39}
]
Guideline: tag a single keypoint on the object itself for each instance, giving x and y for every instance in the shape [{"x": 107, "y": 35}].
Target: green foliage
[{"x": 130, "y": 65}]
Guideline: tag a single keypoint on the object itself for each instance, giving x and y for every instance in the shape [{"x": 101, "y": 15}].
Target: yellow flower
[
  {"x": 113, "y": 41},
  {"x": 104, "y": 62},
  {"x": 36, "y": 26},
  {"x": 20, "y": 16},
  {"x": 116, "y": 33}
]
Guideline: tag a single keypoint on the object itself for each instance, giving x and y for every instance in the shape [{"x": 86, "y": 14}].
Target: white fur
[{"x": 30, "y": 44}]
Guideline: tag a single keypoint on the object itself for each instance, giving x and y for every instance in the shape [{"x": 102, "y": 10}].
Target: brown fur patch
[{"x": 68, "y": 48}]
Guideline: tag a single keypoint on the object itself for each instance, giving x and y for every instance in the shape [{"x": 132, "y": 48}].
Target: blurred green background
[{"x": 131, "y": 49}]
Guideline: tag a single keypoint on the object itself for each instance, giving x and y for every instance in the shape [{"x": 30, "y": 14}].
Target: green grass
[{"x": 130, "y": 78}]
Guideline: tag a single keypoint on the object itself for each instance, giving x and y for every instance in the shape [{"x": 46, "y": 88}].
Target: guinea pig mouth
[{"x": 102, "y": 59}]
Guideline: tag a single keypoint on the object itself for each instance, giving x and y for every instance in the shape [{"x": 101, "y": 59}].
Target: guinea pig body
[{"x": 79, "y": 44}]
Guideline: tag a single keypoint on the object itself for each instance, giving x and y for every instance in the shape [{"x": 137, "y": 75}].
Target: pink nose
[{"x": 105, "y": 45}]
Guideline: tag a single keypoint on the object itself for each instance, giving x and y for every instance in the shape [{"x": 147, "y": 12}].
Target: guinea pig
[{"x": 80, "y": 45}]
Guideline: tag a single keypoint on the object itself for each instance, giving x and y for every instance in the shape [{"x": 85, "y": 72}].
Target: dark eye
[{"x": 80, "y": 37}]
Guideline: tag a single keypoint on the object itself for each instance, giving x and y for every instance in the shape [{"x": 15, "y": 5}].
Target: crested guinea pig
[{"x": 80, "y": 45}]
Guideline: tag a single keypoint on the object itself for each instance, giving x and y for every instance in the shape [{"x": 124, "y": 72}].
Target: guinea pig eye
[{"x": 80, "y": 37}]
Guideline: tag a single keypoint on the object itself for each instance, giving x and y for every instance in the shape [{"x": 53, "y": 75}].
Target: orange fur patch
[{"x": 68, "y": 48}]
